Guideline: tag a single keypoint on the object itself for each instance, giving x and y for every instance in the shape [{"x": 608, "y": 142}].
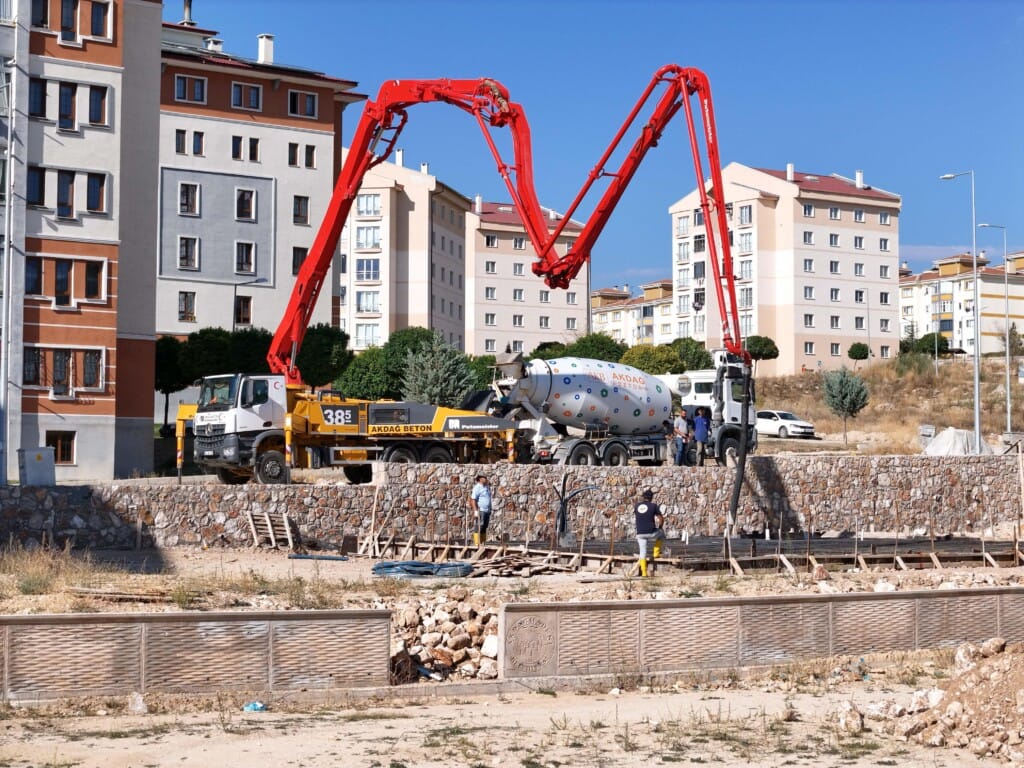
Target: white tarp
[{"x": 954, "y": 442}]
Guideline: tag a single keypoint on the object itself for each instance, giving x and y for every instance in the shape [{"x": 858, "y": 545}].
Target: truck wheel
[
  {"x": 358, "y": 474},
  {"x": 437, "y": 454},
  {"x": 617, "y": 455},
  {"x": 230, "y": 477},
  {"x": 401, "y": 454},
  {"x": 271, "y": 468},
  {"x": 583, "y": 454},
  {"x": 729, "y": 451}
]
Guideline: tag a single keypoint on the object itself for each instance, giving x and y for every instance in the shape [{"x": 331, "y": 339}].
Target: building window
[
  {"x": 179, "y": 141},
  {"x": 40, "y": 13},
  {"x": 243, "y": 310},
  {"x": 808, "y": 347},
  {"x": 517, "y": 270},
  {"x": 63, "y": 444},
  {"x": 858, "y": 296},
  {"x": 198, "y": 142},
  {"x": 808, "y": 320},
  {"x": 293, "y": 154},
  {"x": 570, "y": 323},
  {"x": 62, "y": 282},
  {"x": 545, "y": 296},
  {"x": 98, "y": 105},
  {"x": 746, "y": 269},
  {"x": 519, "y": 243},
  {"x": 98, "y": 19},
  {"x": 833, "y": 349},
  {"x": 491, "y": 241},
  {"x": 883, "y": 244},
  {"x": 188, "y": 199},
  {"x": 368, "y": 204},
  {"x": 367, "y": 334},
  {"x": 367, "y": 301},
  {"x": 517, "y": 321},
  {"x": 92, "y": 366},
  {"x": 570, "y": 297},
  {"x": 245, "y": 205},
  {"x": 66, "y": 106},
  {"x": 699, "y": 244},
  {"x": 746, "y": 214},
  {"x": 298, "y": 256},
  {"x": 809, "y": 292},
  {"x": 245, "y": 258},
  {"x": 254, "y": 150},
  {"x": 33, "y": 276},
  {"x": 833, "y": 267},
  {"x": 93, "y": 275},
  {"x": 300, "y": 210},
  {"x": 833, "y": 212},
  {"x": 490, "y": 293},
  {"x": 698, "y": 217},
  {"x": 66, "y": 194},
  {"x": 808, "y": 265},
  {"x": 188, "y": 253},
  {"x": 883, "y": 325},
  {"x": 188, "y": 88},
  {"x": 884, "y": 351},
  {"x": 833, "y": 240},
  {"x": 367, "y": 269},
  {"x": 489, "y": 318},
  {"x": 68, "y": 20},
  {"x": 301, "y": 104},
  {"x": 367, "y": 237},
  {"x": 746, "y": 297},
  {"x": 35, "y": 193},
  {"x": 32, "y": 367},
  {"x": 883, "y": 298},
  {"x": 186, "y": 306},
  {"x": 833, "y": 322},
  {"x": 96, "y": 193},
  {"x": 236, "y": 147},
  {"x": 883, "y": 218},
  {"x": 858, "y": 270},
  {"x": 833, "y": 294},
  {"x": 246, "y": 96},
  {"x": 858, "y": 242},
  {"x": 517, "y": 345},
  {"x": 858, "y": 323},
  {"x": 746, "y": 242},
  {"x": 517, "y": 294},
  {"x": 490, "y": 267},
  {"x": 310, "y": 156},
  {"x": 489, "y": 345},
  {"x": 683, "y": 225},
  {"x": 808, "y": 210},
  {"x": 883, "y": 271},
  {"x": 37, "y": 98},
  {"x": 858, "y": 215}
]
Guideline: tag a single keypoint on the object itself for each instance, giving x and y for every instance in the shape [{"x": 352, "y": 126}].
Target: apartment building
[
  {"x": 815, "y": 260},
  {"x": 79, "y": 219},
  {"x": 249, "y": 151},
  {"x": 404, "y": 257},
  {"x": 942, "y": 299},
  {"x": 646, "y": 319},
  {"x": 510, "y": 307}
]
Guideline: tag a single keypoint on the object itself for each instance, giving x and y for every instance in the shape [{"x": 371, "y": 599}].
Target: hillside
[{"x": 904, "y": 394}]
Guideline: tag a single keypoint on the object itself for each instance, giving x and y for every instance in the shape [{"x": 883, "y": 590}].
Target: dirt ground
[{"x": 781, "y": 718}]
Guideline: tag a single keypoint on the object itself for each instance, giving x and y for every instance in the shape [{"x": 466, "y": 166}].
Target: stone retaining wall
[{"x": 796, "y": 493}]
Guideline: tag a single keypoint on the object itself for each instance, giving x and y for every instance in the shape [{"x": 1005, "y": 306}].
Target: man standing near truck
[{"x": 480, "y": 501}]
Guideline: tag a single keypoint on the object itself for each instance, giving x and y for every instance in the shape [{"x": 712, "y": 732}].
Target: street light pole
[
  {"x": 977, "y": 326},
  {"x": 1006, "y": 303},
  {"x": 234, "y": 297}
]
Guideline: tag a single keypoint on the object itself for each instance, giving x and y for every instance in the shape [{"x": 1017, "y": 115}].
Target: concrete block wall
[{"x": 819, "y": 492}]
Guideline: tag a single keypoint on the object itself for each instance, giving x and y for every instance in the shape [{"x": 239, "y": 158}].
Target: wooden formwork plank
[
  {"x": 989, "y": 559},
  {"x": 786, "y": 564},
  {"x": 935, "y": 561},
  {"x": 900, "y": 563}
]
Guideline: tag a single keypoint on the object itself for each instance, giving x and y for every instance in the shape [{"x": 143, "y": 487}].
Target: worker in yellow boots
[
  {"x": 480, "y": 502},
  {"x": 649, "y": 520}
]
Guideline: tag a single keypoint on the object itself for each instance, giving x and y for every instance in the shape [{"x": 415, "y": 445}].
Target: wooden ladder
[{"x": 275, "y": 530}]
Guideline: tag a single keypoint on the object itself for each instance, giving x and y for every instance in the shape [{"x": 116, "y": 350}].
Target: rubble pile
[
  {"x": 454, "y": 634},
  {"x": 980, "y": 709}
]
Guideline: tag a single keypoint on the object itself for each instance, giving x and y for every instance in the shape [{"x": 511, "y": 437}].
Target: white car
[{"x": 783, "y": 424}]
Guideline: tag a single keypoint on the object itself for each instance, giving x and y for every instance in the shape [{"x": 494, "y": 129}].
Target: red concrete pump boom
[{"x": 487, "y": 100}]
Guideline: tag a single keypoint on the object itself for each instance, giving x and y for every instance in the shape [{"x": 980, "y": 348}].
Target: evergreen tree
[
  {"x": 858, "y": 351},
  {"x": 437, "y": 373},
  {"x": 207, "y": 352},
  {"x": 249, "y": 350},
  {"x": 324, "y": 354},
  {"x": 846, "y": 394},
  {"x": 761, "y": 348},
  {"x": 396, "y": 350}
]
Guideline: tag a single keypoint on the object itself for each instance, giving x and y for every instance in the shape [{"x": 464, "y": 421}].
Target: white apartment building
[
  {"x": 249, "y": 151},
  {"x": 942, "y": 299},
  {"x": 815, "y": 260},
  {"x": 403, "y": 257},
  {"x": 510, "y": 307},
  {"x": 646, "y": 319}
]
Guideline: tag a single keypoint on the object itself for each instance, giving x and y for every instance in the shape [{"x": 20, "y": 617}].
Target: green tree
[
  {"x": 858, "y": 351},
  {"x": 694, "y": 354},
  {"x": 930, "y": 342},
  {"x": 846, "y": 394},
  {"x": 396, "y": 349},
  {"x": 761, "y": 348},
  {"x": 171, "y": 375},
  {"x": 655, "y": 360},
  {"x": 908, "y": 343},
  {"x": 249, "y": 350},
  {"x": 365, "y": 377},
  {"x": 482, "y": 368},
  {"x": 207, "y": 352},
  {"x": 324, "y": 354},
  {"x": 437, "y": 373},
  {"x": 597, "y": 346},
  {"x": 547, "y": 350},
  {"x": 1014, "y": 340}
]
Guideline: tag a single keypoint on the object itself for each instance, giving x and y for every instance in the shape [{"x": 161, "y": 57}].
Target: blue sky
[{"x": 905, "y": 90}]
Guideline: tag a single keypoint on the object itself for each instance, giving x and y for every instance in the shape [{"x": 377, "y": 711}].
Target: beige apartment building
[
  {"x": 942, "y": 299},
  {"x": 646, "y": 319},
  {"x": 403, "y": 257},
  {"x": 815, "y": 260},
  {"x": 510, "y": 307}
]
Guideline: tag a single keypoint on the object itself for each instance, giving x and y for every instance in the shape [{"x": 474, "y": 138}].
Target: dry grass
[{"x": 904, "y": 394}]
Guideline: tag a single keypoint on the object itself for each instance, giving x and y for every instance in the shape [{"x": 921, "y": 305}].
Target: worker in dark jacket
[{"x": 649, "y": 520}]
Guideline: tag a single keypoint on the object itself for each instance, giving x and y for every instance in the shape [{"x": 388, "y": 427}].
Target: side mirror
[{"x": 245, "y": 400}]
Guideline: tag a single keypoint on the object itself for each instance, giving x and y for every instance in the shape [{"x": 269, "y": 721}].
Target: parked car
[{"x": 783, "y": 424}]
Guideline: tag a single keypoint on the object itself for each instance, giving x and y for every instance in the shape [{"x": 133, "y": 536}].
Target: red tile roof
[
  {"x": 506, "y": 213},
  {"x": 832, "y": 184}
]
